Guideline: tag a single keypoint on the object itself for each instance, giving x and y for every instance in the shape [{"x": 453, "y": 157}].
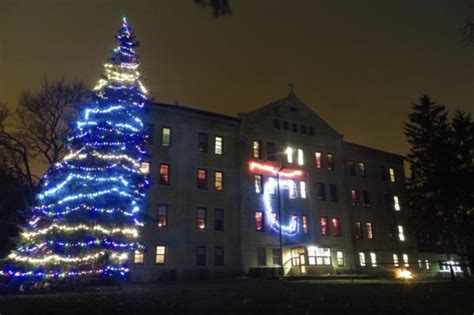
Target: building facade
[{"x": 278, "y": 185}]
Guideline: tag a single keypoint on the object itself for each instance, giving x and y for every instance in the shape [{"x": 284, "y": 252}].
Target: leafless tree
[{"x": 32, "y": 135}]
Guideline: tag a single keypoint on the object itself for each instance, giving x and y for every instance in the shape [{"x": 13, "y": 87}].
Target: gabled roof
[{"x": 181, "y": 108}]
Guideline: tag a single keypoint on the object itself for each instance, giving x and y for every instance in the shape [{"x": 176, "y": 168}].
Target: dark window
[
  {"x": 366, "y": 199},
  {"x": 333, "y": 192},
  {"x": 149, "y": 131},
  {"x": 202, "y": 178},
  {"x": 311, "y": 131},
  {"x": 201, "y": 216},
  {"x": 259, "y": 221},
  {"x": 303, "y": 129},
  {"x": 218, "y": 219},
  {"x": 164, "y": 174},
  {"x": 391, "y": 232},
  {"x": 358, "y": 230},
  {"x": 387, "y": 201},
  {"x": 355, "y": 197},
  {"x": 294, "y": 127},
  {"x": 162, "y": 215},
  {"x": 257, "y": 149},
  {"x": 276, "y": 257},
  {"x": 271, "y": 151},
  {"x": 305, "y": 224},
  {"x": 276, "y": 123},
  {"x": 383, "y": 173},
  {"x": 200, "y": 255},
  {"x": 218, "y": 256},
  {"x": 165, "y": 136},
  {"x": 362, "y": 170},
  {"x": 351, "y": 168},
  {"x": 330, "y": 160},
  {"x": 261, "y": 256},
  {"x": 202, "y": 142},
  {"x": 336, "y": 226},
  {"x": 324, "y": 226},
  {"x": 285, "y": 125},
  {"x": 322, "y": 191}
]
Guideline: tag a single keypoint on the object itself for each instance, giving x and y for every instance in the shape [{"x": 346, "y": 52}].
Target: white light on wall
[
  {"x": 303, "y": 189},
  {"x": 300, "y": 157},
  {"x": 289, "y": 154}
]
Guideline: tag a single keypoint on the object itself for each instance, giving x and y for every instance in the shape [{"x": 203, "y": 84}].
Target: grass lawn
[{"x": 253, "y": 296}]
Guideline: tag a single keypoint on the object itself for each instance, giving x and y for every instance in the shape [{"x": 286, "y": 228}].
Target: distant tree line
[{"x": 441, "y": 185}]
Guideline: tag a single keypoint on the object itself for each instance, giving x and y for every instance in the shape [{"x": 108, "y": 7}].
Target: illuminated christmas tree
[{"x": 87, "y": 216}]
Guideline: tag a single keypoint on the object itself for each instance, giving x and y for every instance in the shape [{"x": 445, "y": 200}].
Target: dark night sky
[{"x": 358, "y": 64}]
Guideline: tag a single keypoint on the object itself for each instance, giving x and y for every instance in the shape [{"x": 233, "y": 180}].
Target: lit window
[
  {"x": 304, "y": 221},
  {"x": 405, "y": 260},
  {"x": 200, "y": 255},
  {"x": 366, "y": 199},
  {"x": 138, "y": 257},
  {"x": 257, "y": 149},
  {"x": 370, "y": 233},
  {"x": 162, "y": 215},
  {"x": 292, "y": 189},
  {"x": 274, "y": 218},
  {"x": 165, "y": 136},
  {"x": 355, "y": 197},
  {"x": 258, "y": 183},
  {"x": 160, "y": 255},
  {"x": 373, "y": 259},
  {"x": 289, "y": 154},
  {"x": 330, "y": 160},
  {"x": 219, "y": 145},
  {"x": 201, "y": 218},
  {"x": 362, "y": 259},
  {"x": 358, "y": 230},
  {"x": 219, "y": 181},
  {"x": 261, "y": 256},
  {"x": 164, "y": 174},
  {"x": 145, "y": 167},
  {"x": 396, "y": 203},
  {"x": 395, "y": 260},
  {"x": 300, "y": 157},
  {"x": 202, "y": 142},
  {"x": 218, "y": 219},
  {"x": 324, "y": 226},
  {"x": 318, "y": 256},
  {"x": 362, "y": 171},
  {"x": 391, "y": 172},
  {"x": 420, "y": 264},
  {"x": 336, "y": 226},
  {"x": 202, "y": 178},
  {"x": 427, "y": 264},
  {"x": 340, "y": 258},
  {"x": 351, "y": 168},
  {"x": 318, "y": 159},
  {"x": 333, "y": 192},
  {"x": 401, "y": 233},
  {"x": 271, "y": 150},
  {"x": 218, "y": 256},
  {"x": 259, "y": 221},
  {"x": 322, "y": 191},
  {"x": 303, "y": 189},
  {"x": 272, "y": 185}
]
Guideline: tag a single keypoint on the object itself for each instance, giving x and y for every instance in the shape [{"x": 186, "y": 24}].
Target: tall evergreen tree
[{"x": 87, "y": 216}]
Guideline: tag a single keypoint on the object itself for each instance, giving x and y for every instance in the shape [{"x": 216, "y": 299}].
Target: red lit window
[
  {"x": 336, "y": 227},
  {"x": 202, "y": 178},
  {"x": 324, "y": 226},
  {"x": 355, "y": 197},
  {"x": 259, "y": 221},
  {"x": 164, "y": 174},
  {"x": 318, "y": 159}
]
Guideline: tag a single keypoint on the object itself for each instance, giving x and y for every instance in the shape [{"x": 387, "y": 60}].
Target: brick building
[{"x": 236, "y": 195}]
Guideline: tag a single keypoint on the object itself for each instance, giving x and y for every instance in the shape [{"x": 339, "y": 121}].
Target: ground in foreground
[{"x": 252, "y": 296}]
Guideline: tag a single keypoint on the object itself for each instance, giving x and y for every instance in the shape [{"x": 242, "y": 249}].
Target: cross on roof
[{"x": 292, "y": 86}]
